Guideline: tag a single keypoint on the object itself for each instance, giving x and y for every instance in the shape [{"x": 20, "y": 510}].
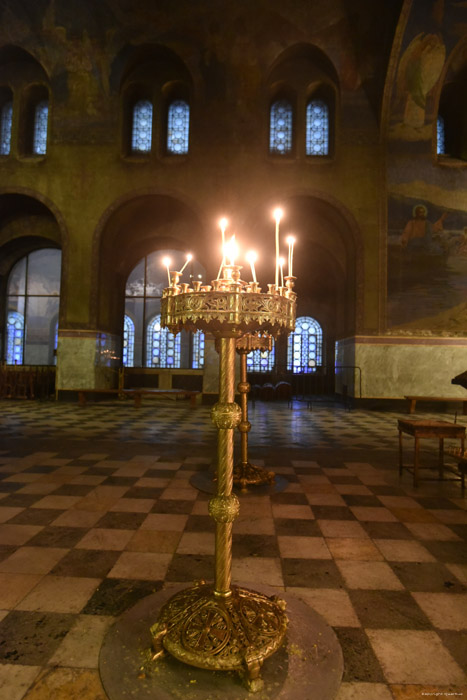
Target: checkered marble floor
[{"x": 97, "y": 511}]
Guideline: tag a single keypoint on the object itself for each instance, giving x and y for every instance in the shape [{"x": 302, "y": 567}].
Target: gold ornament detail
[
  {"x": 224, "y": 509},
  {"x": 226, "y": 415},
  {"x": 233, "y": 633}
]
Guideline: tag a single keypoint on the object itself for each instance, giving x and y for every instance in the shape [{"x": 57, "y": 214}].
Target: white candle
[
  {"x": 290, "y": 241},
  {"x": 166, "y": 262},
  {"x": 223, "y": 223},
  {"x": 281, "y": 265},
  {"x": 278, "y": 216},
  {"x": 251, "y": 258},
  {"x": 188, "y": 258}
]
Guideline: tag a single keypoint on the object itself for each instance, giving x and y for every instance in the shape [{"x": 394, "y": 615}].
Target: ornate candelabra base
[
  {"x": 234, "y": 632},
  {"x": 246, "y": 474}
]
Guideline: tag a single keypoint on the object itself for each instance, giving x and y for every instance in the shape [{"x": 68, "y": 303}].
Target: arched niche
[
  {"x": 132, "y": 229},
  {"x": 327, "y": 260}
]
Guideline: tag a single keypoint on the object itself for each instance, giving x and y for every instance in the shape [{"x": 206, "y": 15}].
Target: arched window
[
  {"x": 257, "y": 361},
  {"x": 162, "y": 346},
  {"x": 280, "y": 128},
  {"x": 32, "y": 302},
  {"x": 14, "y": 338},
  {"x": 41, "y": 116},
  {"x": 141, "y": 129},
  {"x": 143, "y": 294},
  {"x": 197, "y": 361},
  {"x": 178, "y": 127},
  {"x": 440, "y": 139},
  {"x": 304, "y": 346},
  {"x": 317, "y": 128},
  {"x": 6, "y": 119},
  {"x": 128, "y": 342}
]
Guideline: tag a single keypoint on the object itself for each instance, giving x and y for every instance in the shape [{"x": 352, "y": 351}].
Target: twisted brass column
[
  {"x": 246, "y": 474},
  {"x": 222, "y": 626}
]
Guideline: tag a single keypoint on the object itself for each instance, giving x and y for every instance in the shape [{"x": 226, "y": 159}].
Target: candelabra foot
[
  {"x": 246, "y": 474},
  {"x": 233, "y": 632}
]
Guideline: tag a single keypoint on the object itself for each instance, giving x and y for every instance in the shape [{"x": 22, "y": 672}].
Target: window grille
[
  {"x": 41, "y": 116},
  {"x": 141, "y": 133},
  {"x": 304, "y": 346},
  {"x": 280, "y": 130},
  {"x": 178, "y": 127},
  {"x": 6, "y": 119},
  {"x": 317, "y": 128}
]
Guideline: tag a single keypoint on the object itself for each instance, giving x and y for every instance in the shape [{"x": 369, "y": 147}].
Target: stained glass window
[
  {"x": 304, "y": 346},
  {"x": 257, "y": 361},
  {"x": 317, "y": 128},
  {"x": 141, "y": 132},
  {"x": 162, "y": 347},
  {"x": 14, "y": 338},
  {"x": 280, "y": 129},
  {"x": 178, "y": 127},
  {"x": 128, "y": 342},
  {"x": 41, "y": 116},
  {"x": 6, "y": 118},
  {"x": 440, "y": 134},
  {"x": 197, "y": 361}
]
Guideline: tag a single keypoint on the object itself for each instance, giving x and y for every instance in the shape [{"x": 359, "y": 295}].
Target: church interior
[{"x": 320, "y": 150}]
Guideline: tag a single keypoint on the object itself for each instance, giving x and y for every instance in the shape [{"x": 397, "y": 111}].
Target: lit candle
[
  {"x": 166, "y": 262},
  {"x": 188, "y": 258},
  {"x": 290, "y": 240},
  {"x": 231, "y": 250},
  {"x": 252, "y": 258},
  {"x": 281, "y": 265},
  {"x": 223, "y": 223},
  {"x": 278, "y": 216}
]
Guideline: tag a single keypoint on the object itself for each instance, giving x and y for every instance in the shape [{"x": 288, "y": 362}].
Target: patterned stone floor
[{"x": 97, "y": 511}]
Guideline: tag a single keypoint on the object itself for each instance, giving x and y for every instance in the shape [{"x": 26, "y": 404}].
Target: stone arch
[
  {"x": 328, "y": 259},
  {"x": 135, "y": 225}
]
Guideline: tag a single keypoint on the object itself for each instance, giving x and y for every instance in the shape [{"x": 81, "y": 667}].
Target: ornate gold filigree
[{"x": 224, "y": 509}]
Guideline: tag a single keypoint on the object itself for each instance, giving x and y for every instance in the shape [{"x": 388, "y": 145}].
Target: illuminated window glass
[
  {"x": 257, "y": 361},
  {"x": 32, "y": 300},
  {"x": 178, "y": 127},
  {"x": 198, "y": 350},
  {"x": 440, "y": 133},
  {"x": 317, "y": 128},
  {"x": 128, "y": 342},
  {"x": 141, "y": 132},
  {"x": 162, "y": 347},
  {"x": 14, "y": 338},
  {"x": 41, "y": 116},
  {"x": 5, "y": 128},
  {"x": 280, "y": 129},
  {"x": 304, "y": 346}
]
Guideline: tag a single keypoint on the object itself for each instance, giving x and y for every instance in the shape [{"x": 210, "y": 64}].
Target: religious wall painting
[
  {"x": 419, "y": 70},
  {"x": 427, "y": 264}
]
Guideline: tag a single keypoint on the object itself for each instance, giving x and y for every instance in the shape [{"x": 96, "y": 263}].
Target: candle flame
[
  {"x": 251, "y": 257},
  {"x": 166, "y": 261},
  {"x": 231, "y": 250},
  {"x": 278, "y": 214},
  {"x": 290, "y": 240},
  {"x": 223, "y": 223},
  {"x": 281, "y": 261}
]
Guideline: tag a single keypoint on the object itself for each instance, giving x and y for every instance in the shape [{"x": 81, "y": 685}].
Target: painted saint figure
[{"x": 418, "y": 233}]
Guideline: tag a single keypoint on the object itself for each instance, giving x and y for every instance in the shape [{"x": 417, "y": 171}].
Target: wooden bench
[
  {"x": 138, "y": 394},
  {"x": 412, "y": 401}
]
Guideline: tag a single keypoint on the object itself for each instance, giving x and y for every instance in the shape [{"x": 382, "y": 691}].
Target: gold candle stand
[
  {"x": 246, "y": 474},
  {"x": 222, "y": 626}
]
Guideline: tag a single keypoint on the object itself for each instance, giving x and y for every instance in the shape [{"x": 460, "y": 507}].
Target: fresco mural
[{"x": 427, "y": 262}]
